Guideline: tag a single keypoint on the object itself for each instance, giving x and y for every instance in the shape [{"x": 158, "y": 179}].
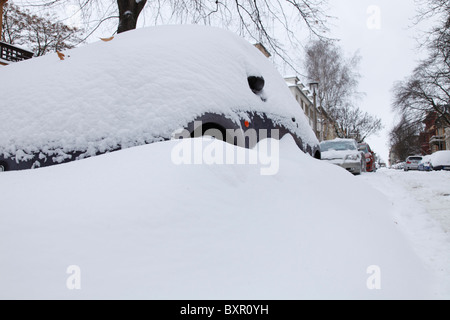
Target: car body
[
  {"x": 424, "y": 164},
  {"x": 412, "y": 163},
  {"x": 440, "y": 160},
  {"x": 344, "y": 153},
  {"x": 369, "y": 156},
  {"x": 142, "y": 87}
]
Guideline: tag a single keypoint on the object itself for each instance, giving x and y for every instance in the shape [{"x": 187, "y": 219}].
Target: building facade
[
  {"x": 325, "y": 125},
  {"x": 304, "y": 98},
  {"x": 436, "y": 134},
  {"x": 319, "y": 120}
]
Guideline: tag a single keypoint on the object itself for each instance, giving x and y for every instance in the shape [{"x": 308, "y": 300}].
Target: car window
[
  {"x": 363, "y": 148},
  {"x": 415, "y": 158},
  {"x": 337, "y": 145}
]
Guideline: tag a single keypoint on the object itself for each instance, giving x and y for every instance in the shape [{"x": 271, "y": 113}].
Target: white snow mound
[{"x": 132, "y": 224}]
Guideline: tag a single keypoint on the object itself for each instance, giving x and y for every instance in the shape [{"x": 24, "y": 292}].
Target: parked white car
[
  {"x": 412, "y": 163},
  {"x": 344, "y": 153}
]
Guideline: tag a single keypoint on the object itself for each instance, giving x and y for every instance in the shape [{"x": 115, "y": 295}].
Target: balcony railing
[
  {"x": 437, "y": 139},
  {"x": 11, "y": 53}
]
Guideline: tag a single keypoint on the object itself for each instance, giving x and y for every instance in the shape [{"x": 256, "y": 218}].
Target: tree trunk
[
  {"x": 129, "y": 11},
  {"x": 2, "y": 2}
]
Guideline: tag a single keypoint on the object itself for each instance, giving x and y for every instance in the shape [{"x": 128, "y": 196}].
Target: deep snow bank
[{"x": 138, "y": 226}]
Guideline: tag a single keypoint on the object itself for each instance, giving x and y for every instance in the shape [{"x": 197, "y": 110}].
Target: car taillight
[{"x": 408, "y": 162}]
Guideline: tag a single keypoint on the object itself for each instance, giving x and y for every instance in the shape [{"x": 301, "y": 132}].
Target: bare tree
[
  {"x": 13, "y": 23},
  {"x": 41, "y": 34},
  {"x": 338, "y": 79},
  {"x": 432, "y": 8},
  {"x": 404, "y": 139},
  {"x": 352, "y": 122},
  {"x": 427, "y": 89},
  {"x": 337, "y": 75},
  {"x": 260, "y": 21}
]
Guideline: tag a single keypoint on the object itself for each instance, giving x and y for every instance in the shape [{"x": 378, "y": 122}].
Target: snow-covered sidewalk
[{"x": 421, "y": 203}]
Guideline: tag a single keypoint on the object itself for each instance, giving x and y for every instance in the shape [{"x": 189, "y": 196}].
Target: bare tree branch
[{"x": 264, "y": 21}]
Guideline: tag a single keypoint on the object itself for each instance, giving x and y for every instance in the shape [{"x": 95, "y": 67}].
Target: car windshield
[
  {"x": 337, "y": 145},
  {"x": 415, "y": 158},
  {"x": 363, "y": 148}
]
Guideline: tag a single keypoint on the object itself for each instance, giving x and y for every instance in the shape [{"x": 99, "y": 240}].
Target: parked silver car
[
  {"x": 412, "y": 163},
  {"x": 344, "y": 153}
]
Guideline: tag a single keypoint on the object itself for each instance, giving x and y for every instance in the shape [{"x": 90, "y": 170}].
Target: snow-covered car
[
  {"x": 412, "y": 163},
  {"x": 344, "y": 153},
  {"x": 424, "y": 164},
  {"x": 399, "y": 166},
  {"x": 141, "y": 87},
  {"x": 440, "y": 160},
  {"x": 369, "y": 156}
]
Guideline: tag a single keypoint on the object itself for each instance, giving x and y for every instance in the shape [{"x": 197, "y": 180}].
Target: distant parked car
[
  {"x": 344, "y": 153},
  {"x": 412, "y": 163},
  {"x": 398, "y": 166},
  {"x": 440, "y": 160},
  {"x": 369, "y": 156},
  {"x": 424, "y": 164}
]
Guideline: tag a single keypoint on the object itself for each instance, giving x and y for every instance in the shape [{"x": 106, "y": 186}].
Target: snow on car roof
[
  {"x": 140, "y": 86},
  {"x": 440, "y": 158},
  {"x": 340, "y": 139}
]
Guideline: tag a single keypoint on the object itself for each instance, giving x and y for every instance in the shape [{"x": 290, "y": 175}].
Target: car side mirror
[{"x": 256, "y": 84}]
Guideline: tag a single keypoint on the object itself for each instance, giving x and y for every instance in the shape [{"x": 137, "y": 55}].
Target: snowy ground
[
  {"x": 134, "y": 224},
  {"x": 421, "y": 202}
]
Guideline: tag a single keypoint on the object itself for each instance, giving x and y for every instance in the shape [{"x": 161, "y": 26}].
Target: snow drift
[{"x": 157, "y": 230}]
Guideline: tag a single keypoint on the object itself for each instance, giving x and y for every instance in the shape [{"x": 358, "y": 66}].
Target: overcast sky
[{"x": 383, "y": 31}]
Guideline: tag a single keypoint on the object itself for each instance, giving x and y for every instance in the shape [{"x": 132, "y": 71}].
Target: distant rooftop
[{"x": 262, "y": 49}]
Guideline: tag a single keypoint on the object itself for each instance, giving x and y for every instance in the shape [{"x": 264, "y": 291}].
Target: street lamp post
[{"x": 314, "y": 86}]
